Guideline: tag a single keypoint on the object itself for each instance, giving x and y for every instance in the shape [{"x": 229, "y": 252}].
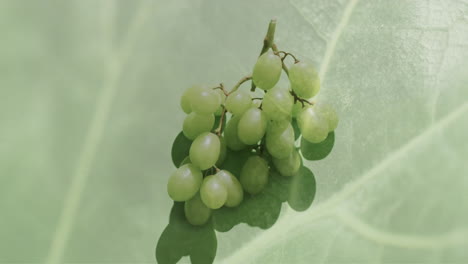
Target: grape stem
[
  {"x": 221, "y": 87},
  {"x": 285, "y": 54},
  {"x": 219, "y": 130},
  {"x": 299, "y": 99},
  {"x": 283, "y": 65},
  {"x": 239, "y": 83}
]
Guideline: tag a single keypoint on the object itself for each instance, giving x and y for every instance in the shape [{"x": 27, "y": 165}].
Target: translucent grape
[
  {"x": 314, "y": 127},
  {"x": 238, "y": 102},
  {"x": 196, "y": 124},
  {"x": 329, "y": 113},
  {"x": 277, "y": 104},
  {"x": 290, "y": 165},
  {"x": 204, "y": 100},
  {"x": 213, "y": 192},
  {"x": 252, "y": 126},
  {"x": 233, "y": 186},
  {"x": 254, "y": 175},
  {"x": 230, "y": 133},
  {"x": 184, "y": 183},
  {"x": 205, "y": 150},
  {"x": 222, "y": 152},
  {"x": 196, "y": 212},
  {"x": 185, "y": 99},
  {"x": 304, "y": 79},
  {"x": 280, "y": 139},
  {"x": 296, "y": 109},
  {"x": 267, "y": 70}
]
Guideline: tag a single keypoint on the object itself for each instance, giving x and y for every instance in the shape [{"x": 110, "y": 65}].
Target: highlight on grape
[{"x": 219, "y": 119}]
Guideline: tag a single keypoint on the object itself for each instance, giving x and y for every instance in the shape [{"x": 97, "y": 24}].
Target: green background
[{"x": 89, "y": 107}]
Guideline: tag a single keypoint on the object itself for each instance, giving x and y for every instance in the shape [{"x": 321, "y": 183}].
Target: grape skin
[
  {"x": 329, "y": 113},
  {"x": 290, "y": 165},
  {"x": 314, "y": 128},
  {"x": 252, "y": 126},
  {"x": 213, "y": 192},
  {"x": 184, "y": 183},
  {"x": 233, "y": 186},
  {"x": 267, "y": 70},
  {"x": 196, "y": 124},
  {"x": 204, "y": 100},
  {"x": 222, "y": 152},
  {"x": 304, "y": 79},
  {"x": 280, "y": 139},
  {"x": 238, "y": 102},
  {"x": 196, "y": 212},
  {"x": 230, "y": 134},
  {"x": 185, "y": 99},
  {"x": 277, "y": 104},
  {"x": 205, "y": 150},
  {"x": 254, "y": 175}
]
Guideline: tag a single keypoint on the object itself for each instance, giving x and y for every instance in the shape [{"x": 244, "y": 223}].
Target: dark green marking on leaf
[
  {"x": 180, "y": 238},
  {"x": 302, "y": 190},
  {"x": 180, "y": 149},
  {"x": 312, "y": 151},
  {"x": 235, "y": 160}
]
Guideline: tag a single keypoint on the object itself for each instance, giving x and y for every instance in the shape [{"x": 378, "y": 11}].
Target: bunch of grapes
[{"x": 218, "y": 120}]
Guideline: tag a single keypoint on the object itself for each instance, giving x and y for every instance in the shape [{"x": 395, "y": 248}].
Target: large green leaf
[{"x": 89, "y": 100}]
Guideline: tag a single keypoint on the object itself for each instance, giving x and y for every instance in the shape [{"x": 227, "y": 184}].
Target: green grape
[
  {"x": 222, "y": 99},
  {"x": 288, "y": 166},
  {"x": 297, "y": 107},
  {"x": 205, "y": 100},
  {"x": 196, "y": 212},
  {"x": 185, "y": 99},
  {"x": 304, "y": 79},
  {"x": 184, "y": 183},
  {"x": 213, "y": 192},
  {"x": 267, "y": 70},
  {"x": 329, "y": 113},
  {"x": 230, "y": 133},
  {"x": 222, "y": 152},
  {"x": 280, "y": 139},
  {"x": 252, "y": 126},
  {"x": 314, "y": 127},
  {"x": 238, "y": 102},
  {"x": 233, "y": 187},
  {"x": 196, "y": 124},
  {"x": 254, "y": 175},
  {"x": 277, "y": 104},
  {"x": 205, "y": 150}
]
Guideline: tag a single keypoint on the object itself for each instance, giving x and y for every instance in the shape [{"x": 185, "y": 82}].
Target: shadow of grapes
[
  {"x": 180, "y": 239},
  {"x": 262, "y": 210}
]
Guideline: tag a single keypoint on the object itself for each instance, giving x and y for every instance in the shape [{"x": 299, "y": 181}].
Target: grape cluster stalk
[{"x": 262, "y": 125}]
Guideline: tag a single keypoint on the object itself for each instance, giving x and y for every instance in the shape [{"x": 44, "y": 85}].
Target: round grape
[
  {"x": 288, "y": 166},
  {"x": 230, "y": 133},
  {"x": 280, "y": 139},
  {"x": 222, "y": 99},
  {"x": 329, "y": 113},
  {"x": 205, "y": 150},
  {"x": 184, "y": 183},
  {"x": 277, "y": 104},
  {"x": 267, "y": 70},
  {"x": 254, "y": 175},
  {"x": 213, "y": 192},
  {"x": 252, "y": 126},
  {"x": 314, "y": 127},
  {"x": 196, "y": 124},
  {"x": 185, "y": 99},
  {"x": 233, "y": 187},
  {"x": 196, "y": 212},
  {"x": 238, "y": 102},
  {"x": 304, "y": 79},
  {"x": 205, "y": 100}
]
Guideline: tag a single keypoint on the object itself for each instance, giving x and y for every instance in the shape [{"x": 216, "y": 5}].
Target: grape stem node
[{"x": 299, "y": 99}]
